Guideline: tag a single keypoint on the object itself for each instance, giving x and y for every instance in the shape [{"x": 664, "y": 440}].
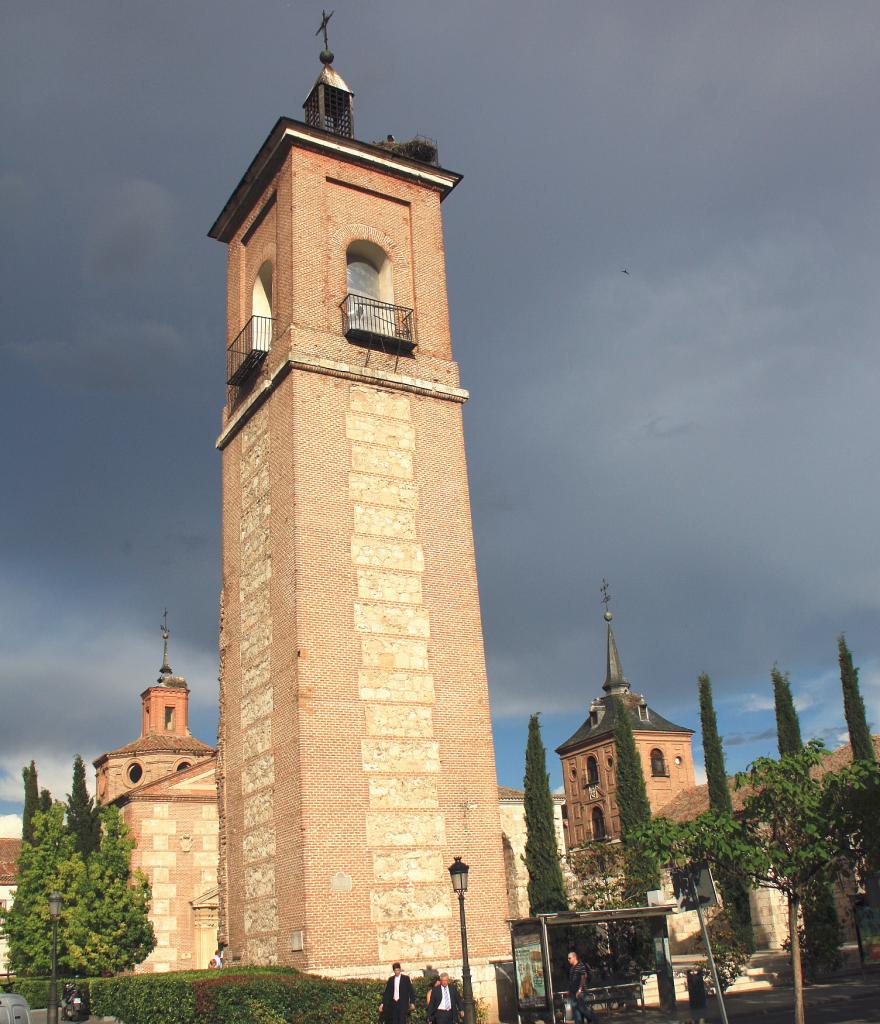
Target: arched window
[
  {"x": 363, "y": 277},
  {"x": 261, "y": 308},
  {"x": 369, "y": 306},
  {"x": 592, "y": 771},
  {"x": 598, "y": 823},
  {"x": 658, "y": 763}
]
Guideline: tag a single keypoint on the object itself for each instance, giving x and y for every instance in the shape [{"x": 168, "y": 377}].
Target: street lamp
[
  {"x": 54, "y": 913},
  {"x": 458, "y": 872}
]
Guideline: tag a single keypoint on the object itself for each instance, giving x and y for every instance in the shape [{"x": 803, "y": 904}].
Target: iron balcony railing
[
  {"x": 248, "y": 350},
  {"x": 378, "y": 324}
]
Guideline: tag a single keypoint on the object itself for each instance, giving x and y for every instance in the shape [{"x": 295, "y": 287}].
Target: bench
[{"x": 616, "y": 992}]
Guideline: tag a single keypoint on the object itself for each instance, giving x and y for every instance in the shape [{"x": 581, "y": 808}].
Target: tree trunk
[{"x": 797, "y": 974}]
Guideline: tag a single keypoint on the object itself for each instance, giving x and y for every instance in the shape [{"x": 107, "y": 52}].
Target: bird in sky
[{"x": 623, "y": 270}]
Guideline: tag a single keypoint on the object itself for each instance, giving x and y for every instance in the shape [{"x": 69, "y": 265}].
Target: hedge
[
  {"x": 36, "y": 990},
  {"x": 243, "y": 996}
]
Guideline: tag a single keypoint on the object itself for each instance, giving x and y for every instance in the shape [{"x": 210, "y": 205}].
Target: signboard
[
  {"x": 694, "y": 878},
  {"x": 528, "y": 962}
]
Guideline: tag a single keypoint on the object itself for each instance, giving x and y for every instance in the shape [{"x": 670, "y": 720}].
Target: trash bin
[
  {"x": 696, "y": 989},
  {"x": 567, "y": 1008}
]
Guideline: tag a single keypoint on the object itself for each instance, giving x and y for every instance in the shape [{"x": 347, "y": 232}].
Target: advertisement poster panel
[{"x": 529, "y": 965}]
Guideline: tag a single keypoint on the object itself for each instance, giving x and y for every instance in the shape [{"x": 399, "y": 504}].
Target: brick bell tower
[{"x": 356, "y": 755}]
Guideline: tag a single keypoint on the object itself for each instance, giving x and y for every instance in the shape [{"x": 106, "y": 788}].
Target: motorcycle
[{"x": 73, "y": 1005}]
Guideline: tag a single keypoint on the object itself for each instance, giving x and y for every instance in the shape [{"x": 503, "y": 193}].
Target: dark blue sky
[{"x": 702, "y": 432}]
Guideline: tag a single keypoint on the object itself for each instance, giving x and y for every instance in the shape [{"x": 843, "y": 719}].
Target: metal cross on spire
[
  {"x": 606, "y": 596},
  {"x": 166, "y": 668},
  {"x": 325, "y": 17}
]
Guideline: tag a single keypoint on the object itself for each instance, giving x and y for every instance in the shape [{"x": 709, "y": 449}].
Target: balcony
[
  {"x": 378, "y": 325},
  {"x": 248, "y": 350}
]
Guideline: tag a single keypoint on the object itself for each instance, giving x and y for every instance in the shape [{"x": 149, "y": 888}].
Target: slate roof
[
  {"x": 607, "y": 708},
  {"x": 9, "y": 851}
]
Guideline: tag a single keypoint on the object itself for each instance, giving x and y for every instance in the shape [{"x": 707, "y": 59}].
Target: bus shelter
[{"x": 620, "y": 948}]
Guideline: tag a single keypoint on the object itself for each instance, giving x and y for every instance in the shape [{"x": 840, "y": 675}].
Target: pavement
[{"x": 860, "y": 992}]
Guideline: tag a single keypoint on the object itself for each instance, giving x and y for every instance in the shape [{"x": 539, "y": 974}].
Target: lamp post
[
  {"x": 54, "y": 913},
  {"x": 458, "y": 872}
]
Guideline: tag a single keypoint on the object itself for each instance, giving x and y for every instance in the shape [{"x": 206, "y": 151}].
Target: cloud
[
  {"x": 10, "y": 826},
  {"x": 132, "y": 231},
  {"x": 79, "y": 685},
  {"x": 105, "y": 354},
  {"x": 741, "y": 739}
]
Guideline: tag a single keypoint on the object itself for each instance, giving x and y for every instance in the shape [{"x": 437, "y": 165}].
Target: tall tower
[{"x": 356, "y": 754}]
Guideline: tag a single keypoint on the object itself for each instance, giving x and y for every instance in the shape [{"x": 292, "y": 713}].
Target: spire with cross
[
  {"x": 165, "y": 670},
  {"x": 326, "y": 53}
]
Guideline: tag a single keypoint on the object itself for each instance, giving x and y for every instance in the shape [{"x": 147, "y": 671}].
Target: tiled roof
[
  {"x": 9, "y": 851},
  {"x": 690, "y": 803},
  {"x": 509, "y": 793},
  {"x": 605, "y": 725},
  {"x": 153, "y": 743}
]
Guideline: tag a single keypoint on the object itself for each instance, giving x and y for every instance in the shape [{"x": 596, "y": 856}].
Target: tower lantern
[{"x": 330, "y": 104}]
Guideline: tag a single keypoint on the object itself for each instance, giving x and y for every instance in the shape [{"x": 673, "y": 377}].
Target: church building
[
  {"x": 355, "y": 749},
  {"x": 165, "y": 787},
  {"x": 588, "y": 756}
]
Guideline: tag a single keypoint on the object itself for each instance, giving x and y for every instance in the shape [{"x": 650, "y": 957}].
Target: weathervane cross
[
  {"x": 325, "y": 17},
  {"x": 165, "y": 625},
  {"x": 606, "y": 597}
]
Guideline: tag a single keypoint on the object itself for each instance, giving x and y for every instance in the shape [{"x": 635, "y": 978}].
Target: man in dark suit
[
  {"x": 445, "y": 1005},
  {"x": 397, "y": 998}
]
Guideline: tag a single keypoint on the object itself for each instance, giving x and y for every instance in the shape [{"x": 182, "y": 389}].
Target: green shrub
[
  {"x": 36, "y": 990},
  {"x": 245, "y": 995}
]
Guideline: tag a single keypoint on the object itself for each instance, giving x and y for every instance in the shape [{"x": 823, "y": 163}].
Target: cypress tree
[
  {"x": 632, "y": 794},
  {"x": 788, "y": 727},
  {"x": 854, "y": 706},
  {"x": 83, "y": 821},
  {"x": 713, "y": 752},
  {"x": 633, "y": 805},
  {"x": 733, "y": 887},
  {"x": 45, "y": 800},
  {"x": 31, "y": 801},
  {"x": 546, "y": 888}
]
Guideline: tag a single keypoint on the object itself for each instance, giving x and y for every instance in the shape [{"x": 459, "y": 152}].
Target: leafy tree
[
  {"x": 31, "y": 801},
  {"x": 854, "y": 706},
  {"x": 49, "y": 862},
  {"x": 788, "y": 728},
  {"x": 110, "y": 930},
  {"x": 821, "y": 932},
  {"x": 632, "y": 794},
  {"x": 546, "y": 888},
  {"x": 609, "y": 876},
  {"x": 795, "y": 832},
  {"x": 734, "y": 890},
  {"x": 83, "y": 820}
]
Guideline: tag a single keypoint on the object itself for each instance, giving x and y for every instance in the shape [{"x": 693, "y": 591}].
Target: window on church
[
  {"x": 598, "y": 823},
  {"x": 592, "y": 771},
  {"x": 261, "y": 309},
  {"x": 169, "y": 719},
  {"x": 182, "y": 767},
  {"x": 658, "y": 763},
  {"x": 369, "y": 314},
  {"x": 135, "y": 773}
]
